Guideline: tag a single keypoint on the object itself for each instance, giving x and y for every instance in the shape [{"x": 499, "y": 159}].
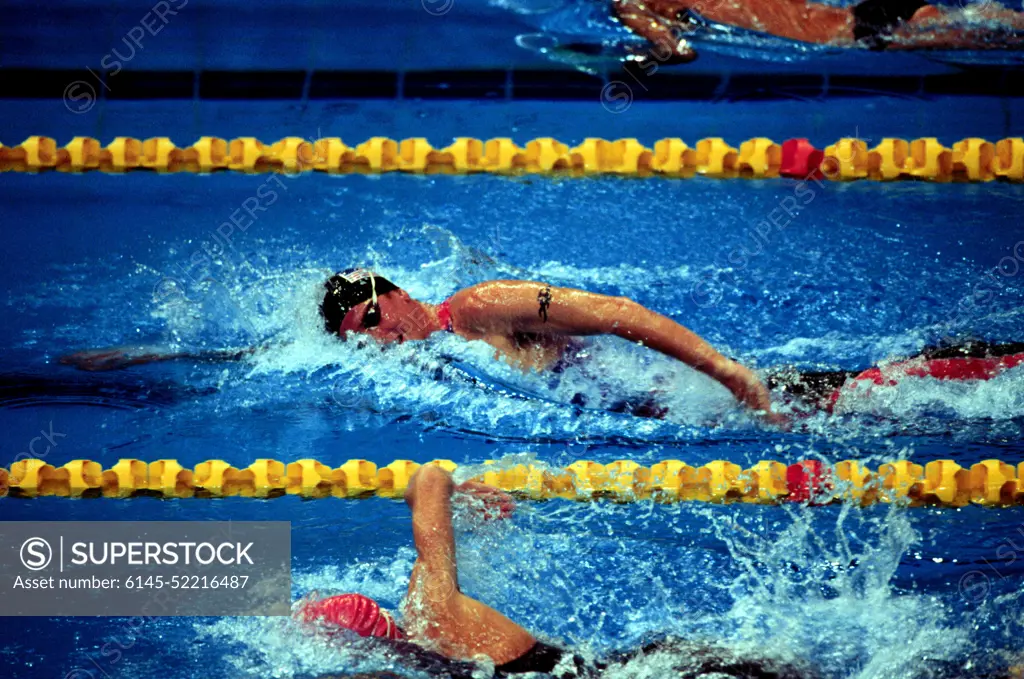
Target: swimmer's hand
[
  {"x": 751, "y": 391},
  {"x": 487, "y": 502}
]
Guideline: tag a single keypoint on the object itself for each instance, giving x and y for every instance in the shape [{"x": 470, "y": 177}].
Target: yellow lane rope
[
  {"x": 971, "y": 159},
  {"x": 937, "y": 483}
]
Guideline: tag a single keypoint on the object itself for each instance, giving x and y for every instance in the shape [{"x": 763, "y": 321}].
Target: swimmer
[
  {"x": 445, "y": 632},
  {"x": 531, "y": 325},
  {"x": 872, "y": 24}
]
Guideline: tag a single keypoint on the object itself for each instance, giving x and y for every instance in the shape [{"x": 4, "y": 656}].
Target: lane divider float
[
  {"x": 971, "y": 159},
  {"x": 938, "y": 483}
]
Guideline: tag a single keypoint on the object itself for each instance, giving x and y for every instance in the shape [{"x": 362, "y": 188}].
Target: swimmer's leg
[
  {"x": 118, "y": 358},
  {"x": 436, "y": 610}
]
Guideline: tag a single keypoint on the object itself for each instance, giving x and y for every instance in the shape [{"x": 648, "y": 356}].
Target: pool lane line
[
  {"x": 969, "y": 160},
  {"x": 939, "y": 483}
]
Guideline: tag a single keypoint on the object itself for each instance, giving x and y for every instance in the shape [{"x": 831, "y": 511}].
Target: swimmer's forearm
[
  {"x": 429, "y": 496},
  {"x": 636, "y": 16},
  {"x": 639, "y": 324},
  {"x": 672, "y": 339}
]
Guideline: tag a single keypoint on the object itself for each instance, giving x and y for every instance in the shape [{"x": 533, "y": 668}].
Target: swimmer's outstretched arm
[
  {"x": 506, "y": 307},
  {"x": 118, "y": 358},
  {"x": 437, "y": 611}
]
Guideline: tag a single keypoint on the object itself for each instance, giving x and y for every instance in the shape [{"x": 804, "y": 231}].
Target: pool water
[{"x": 861, "y": 273}]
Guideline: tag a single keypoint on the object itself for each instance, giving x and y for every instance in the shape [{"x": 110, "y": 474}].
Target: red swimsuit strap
[{"x": 444, "y": 315}]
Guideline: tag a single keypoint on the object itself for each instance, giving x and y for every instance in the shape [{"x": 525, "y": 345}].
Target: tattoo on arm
[{"x": 544, "y": 300}]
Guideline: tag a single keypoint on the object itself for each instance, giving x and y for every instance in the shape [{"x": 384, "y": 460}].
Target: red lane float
[
  {"x": 800, "y": 159},
  {"x": 809, "y": 481}
]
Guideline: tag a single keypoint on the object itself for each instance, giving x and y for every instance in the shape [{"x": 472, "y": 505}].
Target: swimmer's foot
[{"x": 111, "y": 358}]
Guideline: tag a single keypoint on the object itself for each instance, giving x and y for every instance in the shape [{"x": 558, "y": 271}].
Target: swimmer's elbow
[{"x": 428, "y": 481}]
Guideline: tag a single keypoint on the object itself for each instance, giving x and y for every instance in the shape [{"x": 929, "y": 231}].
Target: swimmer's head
[
  {"x": 349, "y": 289},
  {"x": 354, "y": 612},
  {"x": 359, "y": 300}
]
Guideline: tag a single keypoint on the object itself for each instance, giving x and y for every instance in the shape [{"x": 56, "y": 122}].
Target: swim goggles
[{"x": 372, "y": 315}]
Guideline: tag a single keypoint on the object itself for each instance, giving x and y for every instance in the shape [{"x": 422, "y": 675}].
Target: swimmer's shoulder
[
  {"x": 468, "y": 306},
  {"x": 490, "y": 293},
  {"x": 479, "y": 307},
  {"x": 488, "y": 307}
]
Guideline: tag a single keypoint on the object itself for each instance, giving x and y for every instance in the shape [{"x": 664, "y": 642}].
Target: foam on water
[
  {"x": 282, "y": 647},
  {"x": 1000, "y": 398},
  {"x": 825, "y": 590}
]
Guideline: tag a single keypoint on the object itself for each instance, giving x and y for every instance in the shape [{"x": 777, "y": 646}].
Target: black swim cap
[{"x": 348, "y": 289}]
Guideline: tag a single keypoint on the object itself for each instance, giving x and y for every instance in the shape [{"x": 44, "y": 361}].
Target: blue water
[{"x": 863, "y": 272}]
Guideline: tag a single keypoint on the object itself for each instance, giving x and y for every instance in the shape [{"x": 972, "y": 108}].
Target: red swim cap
[{"x": 355, "y": 612}]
